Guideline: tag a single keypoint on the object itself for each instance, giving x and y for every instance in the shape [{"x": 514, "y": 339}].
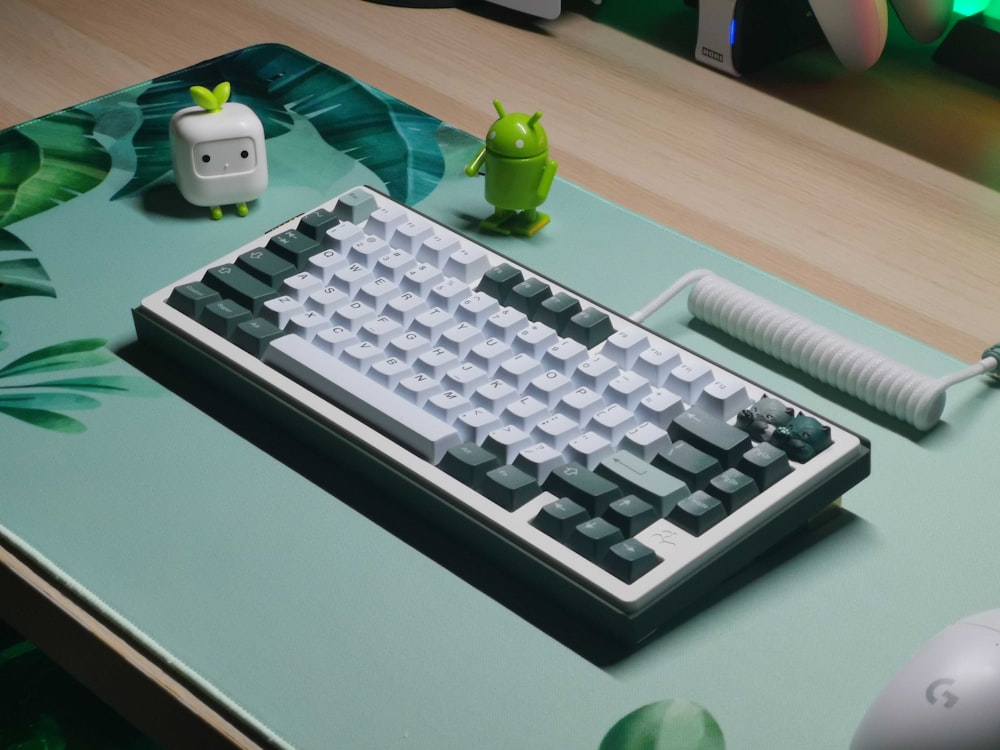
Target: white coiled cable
[{"x": 855, "y": 369}]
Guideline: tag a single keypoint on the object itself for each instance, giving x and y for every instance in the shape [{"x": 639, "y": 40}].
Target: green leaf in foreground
[{"x": 666, "y": 725}]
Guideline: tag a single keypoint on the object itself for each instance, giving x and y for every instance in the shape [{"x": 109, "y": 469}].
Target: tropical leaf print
[
  {"x": 42, "y": 164},
  {"x": 27, "y": 394},
  {"x": 23, "y": 277},
  {"x": 397, "y": 142},
  {"x": 47, "y": 162}
]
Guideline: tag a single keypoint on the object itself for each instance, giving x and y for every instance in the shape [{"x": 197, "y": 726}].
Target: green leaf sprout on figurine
[
  {"x": 218, "y": 151},
  {"x": 518, "y": 171}
]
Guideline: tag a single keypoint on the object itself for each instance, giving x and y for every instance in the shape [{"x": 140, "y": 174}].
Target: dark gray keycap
[
  {"x": 630, "y": 514},
  {"x": 255, "y": 334},
  {"x": 629, "y": 560},
  {"x": 315, "y": 224},
  {"x": 639, "y": 478},
  {"x": 556, "y": 311},
  {"x": 294, "y": 247},
  {"x": 355, "y": 206},
  {"x": 559, "y": 518},
  {"x": 223, "y": 317},
  {"x": 710, "y": 435},
  {"x": 264, "y": 265},
  {"x": 693, "y": 467},
  {"x": 593, "y": 538},
  {"x": 697, "y": 513},
  {"x": 766, "y": 464},
  {"x": 733, "y": 488},
  {"x": 509, "y": 487},
  {"x": 577, "y": 482},
  {"x": 590, "y": 327},
  {"x": 469, "y": 464},
  {"x": 236, "y": 284},
  {"x": 528, "y": 296},
  {"x": 499, "y": 281},
  {"x": 191, "y": 299}
]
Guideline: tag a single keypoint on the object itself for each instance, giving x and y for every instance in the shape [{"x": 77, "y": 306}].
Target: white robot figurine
[{"x": 218, "y": 151}]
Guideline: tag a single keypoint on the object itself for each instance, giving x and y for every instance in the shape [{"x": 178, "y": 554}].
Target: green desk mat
[{"x": 298, "y": 599}]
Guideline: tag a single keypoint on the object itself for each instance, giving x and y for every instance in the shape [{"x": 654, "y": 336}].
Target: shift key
[
  {"x": 639, "y": 478},
  {"x": 232, "y": 282}
]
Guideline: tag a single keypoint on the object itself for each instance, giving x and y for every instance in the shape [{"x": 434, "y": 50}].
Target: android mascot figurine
[
  {"x": 518, "y": 170},
  {"x": 218, "y": 151}
]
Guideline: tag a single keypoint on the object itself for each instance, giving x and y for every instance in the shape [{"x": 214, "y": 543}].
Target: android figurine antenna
[
  {"x": 218, "y": 151},
  {"x": 519, "y": 173}
]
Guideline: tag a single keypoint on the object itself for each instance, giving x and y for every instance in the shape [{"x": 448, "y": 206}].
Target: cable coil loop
[{"x": 829, "y": 357}]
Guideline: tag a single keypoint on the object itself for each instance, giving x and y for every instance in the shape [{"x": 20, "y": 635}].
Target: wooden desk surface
[{"x": 879, "y": 191}]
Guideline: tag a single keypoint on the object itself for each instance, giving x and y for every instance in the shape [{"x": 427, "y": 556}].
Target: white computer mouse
[{"x": 946, "y": 698}]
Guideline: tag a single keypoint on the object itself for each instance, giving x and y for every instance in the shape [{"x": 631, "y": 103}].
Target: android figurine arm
[
  {"x": 548, "y": 177},
  {"x": 473, "y": 167}
]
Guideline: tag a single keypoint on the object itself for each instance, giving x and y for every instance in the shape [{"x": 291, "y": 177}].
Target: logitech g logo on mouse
[
  {"x": 938, "y": 690},
  {"x": 712, "y": 54}
]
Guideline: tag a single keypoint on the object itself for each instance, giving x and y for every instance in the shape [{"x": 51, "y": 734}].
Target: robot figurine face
[
  {"x": 219, "y": 155},
  {"x": 226, "y": 157}
]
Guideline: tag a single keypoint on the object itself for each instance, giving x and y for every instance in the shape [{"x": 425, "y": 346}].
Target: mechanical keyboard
[{"x": 620, "y": 473}]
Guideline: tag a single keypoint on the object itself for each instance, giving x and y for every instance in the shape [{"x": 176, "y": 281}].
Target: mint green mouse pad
[{"x": 301, "y": 602}]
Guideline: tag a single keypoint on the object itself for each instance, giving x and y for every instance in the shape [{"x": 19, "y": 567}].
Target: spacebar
[{"x": 341, "y": 384}]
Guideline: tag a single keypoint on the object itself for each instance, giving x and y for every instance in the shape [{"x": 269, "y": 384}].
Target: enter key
[{"x": 636, "y": 477}]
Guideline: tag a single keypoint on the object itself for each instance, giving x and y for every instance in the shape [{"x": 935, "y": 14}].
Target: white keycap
[
  {"x": 645, "y": 441},
  {"x": 539, "y": 460},
  {"x": 612, "y": 423},
  {"x": 581, "y": 404},
  {"x": 326, "y": 301},
  {"x": 418, "y": 388},
  {"x": 476, "y": 424},
  {"x": 688, "y": 380},
  {"x": 410, "y": 235},
  {"x": 520, "y": 370},
  {"x": 526, "y": 412},
  {"x": 367, "y": 251},
  {"x": 467, "y": 264},
  {"x": 597, "y": 372},
  {"x": 436, "y": 249},
  {"x": 341, "y": 237},
  {"x": 324, "y": 264},
  {"x": 281, "y": 309},
  {"x": 625, "y": 346},
  {"x": 589, "y": 449},
  {"x": 550, "y": 387},
  {"x": 505, "y": 324},
  {"x": 383, "y": 221},
  {"x": 724, "y": 398},
  {"x": 660, "y": 407},
  {"x": 628, "y": 389},
  {"x": 507, "y": 442},
  {"x": 656, "y": 362}
]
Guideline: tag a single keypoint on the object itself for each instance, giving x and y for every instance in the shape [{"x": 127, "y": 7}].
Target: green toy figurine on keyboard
[
  {"x": 518, "y": 171},
  {"x": 218, "y": 151}
]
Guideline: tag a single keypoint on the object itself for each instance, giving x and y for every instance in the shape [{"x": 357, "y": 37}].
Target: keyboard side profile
[{"x": 620, "y": 473}]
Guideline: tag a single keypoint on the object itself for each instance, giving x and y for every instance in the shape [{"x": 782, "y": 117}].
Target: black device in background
[{"x": 972, "y": 47}]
